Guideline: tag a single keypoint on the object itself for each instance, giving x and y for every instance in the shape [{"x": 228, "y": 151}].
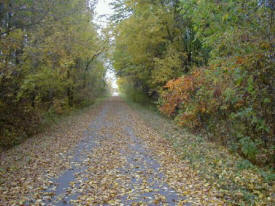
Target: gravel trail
[{"x": 121, "y": 161}]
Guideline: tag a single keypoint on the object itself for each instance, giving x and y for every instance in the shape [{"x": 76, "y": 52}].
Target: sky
[
  {"x": 103, "y": 11},
  {"x": 103, "y": 8}
]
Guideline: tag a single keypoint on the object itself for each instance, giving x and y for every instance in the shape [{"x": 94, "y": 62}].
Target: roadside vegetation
[
  {"x": 208, "y": 68},
  {"x": 51, "y": 62},
  {"x": 209, "y": 65},
  {"x": 202, "y": 69},
  {"x": 238, "y": 181}
]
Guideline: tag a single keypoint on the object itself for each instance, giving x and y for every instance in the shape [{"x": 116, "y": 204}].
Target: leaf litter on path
[{"x": 118, "y": 161}]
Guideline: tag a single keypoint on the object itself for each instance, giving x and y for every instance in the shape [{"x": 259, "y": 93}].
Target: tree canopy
[
  {"x": 208, "y": 64},
  {"x": 51, "y": 60}
]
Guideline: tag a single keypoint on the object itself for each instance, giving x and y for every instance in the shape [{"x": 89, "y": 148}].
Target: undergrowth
[
  {"x": 47, "y": 119},
  {"x": 237, "y": 179}
]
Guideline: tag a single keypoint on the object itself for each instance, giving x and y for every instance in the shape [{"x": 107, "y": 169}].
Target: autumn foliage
[
  {"x": 231, "y": 105},
  {"x": 48, "y": 63},
  {"x": 178, "y": 91},
  {"x": 208, "y": 64}
]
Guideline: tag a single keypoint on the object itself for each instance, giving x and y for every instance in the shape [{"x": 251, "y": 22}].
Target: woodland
[
  {"x": 194, "y": 123},
  {"x": 207, "y": 64},
  {"x": 51, "y": 61}
]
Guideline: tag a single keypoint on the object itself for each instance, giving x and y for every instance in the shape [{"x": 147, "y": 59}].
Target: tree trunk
[{"x": 69, "y": 91}]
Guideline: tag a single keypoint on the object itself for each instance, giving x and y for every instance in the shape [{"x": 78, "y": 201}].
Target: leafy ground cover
[
  {"x": 237, "y": 180},
  {"x": 130, "y": 164},
  {"x": 26, "y": 169},
  {"x": 118, "y": 160},
  {"x": 115, "y": 154}
]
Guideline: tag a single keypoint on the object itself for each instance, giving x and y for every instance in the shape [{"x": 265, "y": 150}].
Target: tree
[
  {"x": 155, "y": 44},
  {"x": 208, "y": 63},
  {"x": 50, "y": 61}
]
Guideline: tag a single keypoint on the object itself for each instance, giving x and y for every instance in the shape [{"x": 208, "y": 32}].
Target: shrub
[{"x": 231, "y": 104}]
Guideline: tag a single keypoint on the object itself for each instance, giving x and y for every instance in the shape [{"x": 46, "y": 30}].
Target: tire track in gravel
[{"x": 117, "y": 163}]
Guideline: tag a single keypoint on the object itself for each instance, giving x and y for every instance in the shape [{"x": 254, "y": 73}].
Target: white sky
[{"x": 103, "y": 8}]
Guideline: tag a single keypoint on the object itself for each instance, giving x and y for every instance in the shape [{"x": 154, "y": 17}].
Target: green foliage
[
  {"x": 153, "y": 44},
  {"x": 131, "y": 93},
  {"x": 238, "y": 181},
  {"x": 248, "y": 147},
  {"x": 209, "y": 64},
  {"x": 48, "y": 63},
  {"x": 244, "y": 165}
]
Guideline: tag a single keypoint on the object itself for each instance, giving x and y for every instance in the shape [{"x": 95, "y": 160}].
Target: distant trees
[
  {"x": 48, "y": 62},
  {"x": 155, "y": 44},
  {"x": 208, "y": 63}
]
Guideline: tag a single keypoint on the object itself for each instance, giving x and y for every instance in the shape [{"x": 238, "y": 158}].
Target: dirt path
[{"x": 120, "y": 161}]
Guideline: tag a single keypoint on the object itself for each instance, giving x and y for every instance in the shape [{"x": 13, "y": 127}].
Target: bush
[
  {"x": 133, "y": 93},
  {"x": 232, "y": 105},
  {"x": 248, "y": 148}
]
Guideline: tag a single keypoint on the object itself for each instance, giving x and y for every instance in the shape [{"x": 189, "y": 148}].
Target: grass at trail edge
[{"x": 239, "y": 181}]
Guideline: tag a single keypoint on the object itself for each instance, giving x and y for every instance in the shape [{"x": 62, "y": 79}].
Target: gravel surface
[{"x": 117, "y": 161}]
